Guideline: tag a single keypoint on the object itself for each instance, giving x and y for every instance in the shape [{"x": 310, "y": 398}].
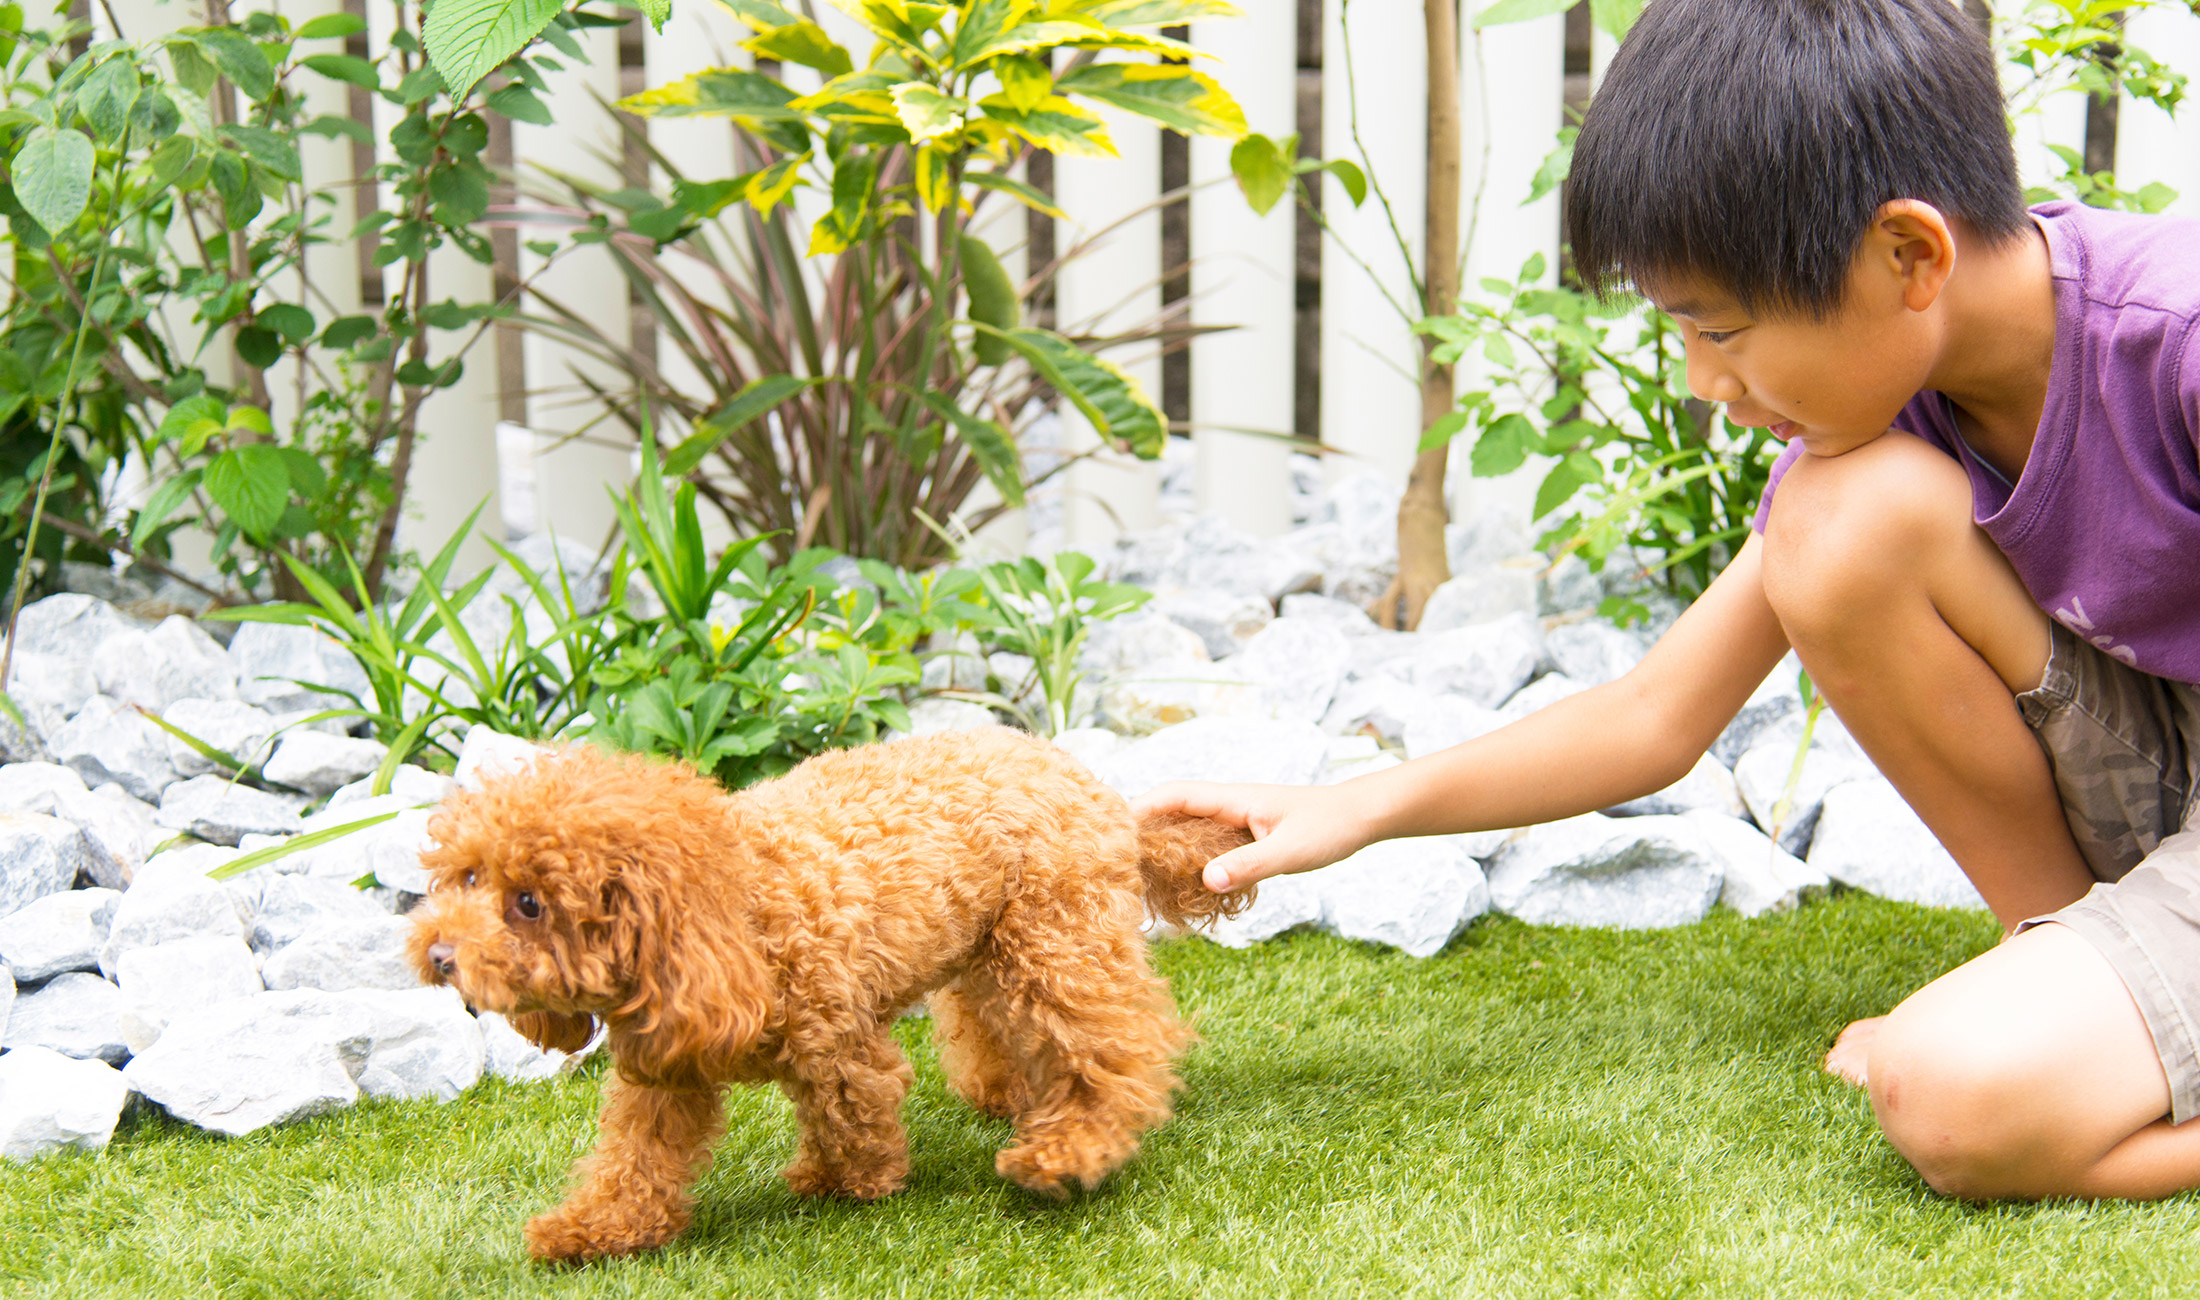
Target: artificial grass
[{"x": 1534, "y": 1112}]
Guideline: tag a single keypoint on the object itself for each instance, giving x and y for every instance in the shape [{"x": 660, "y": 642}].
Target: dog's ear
[
  {"x": 700, "y": 991},
  {"x": 555, "y": 1031}
]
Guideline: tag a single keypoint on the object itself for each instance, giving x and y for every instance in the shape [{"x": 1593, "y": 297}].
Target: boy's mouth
[{"x": 1784, "y": 430}]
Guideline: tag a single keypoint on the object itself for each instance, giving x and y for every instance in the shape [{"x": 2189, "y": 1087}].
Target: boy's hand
[{"x": 1295, "y": 828}]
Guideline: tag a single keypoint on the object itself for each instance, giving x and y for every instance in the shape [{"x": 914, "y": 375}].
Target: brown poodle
[{"x": 777, "y": 933}]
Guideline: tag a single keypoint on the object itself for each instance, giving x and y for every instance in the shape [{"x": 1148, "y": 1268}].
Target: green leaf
[
  {"x": 269, "y": 148},
  {"x": 331, "y": 25},
  {"x": 805, "y": 43},
  {"x": 295, "y": 844},
  {"x": 1441, "y": 432},
  {"x": 520, "y": 104},
  {"x": 1015, "y": 189},
  {"x": 239, "y": 57},
  {"x": 1173, "y": 95},
  {"x": 105, "y": 95},
  {"x": 656, "y": 11},
  {"x": 190, "y": 422},
  {"x": 1056, "y": 125},
  {"x": 989, "y": 444},
  {"x": 1520, "y": 11},
  {"x": 1566, "y": 478},
  {"x": 259, "y": 346},
  {"x": 468, "y": 38},
  {"x": 343, "y": 67},
  {"x": 1024, "y": 79},
  {"x": 718, "y": 92},
  {"x": 1503, "y": 446},
  {"x": 293, "y": 322},
  {"x": 52, "y": 177},
  {"x": 1115, "y": 403},
  {"x": 347, "y": 331},
  {"x": 1349, "y": 175},
  {"x": 171, "y": 493},
  {"x": 1160, "y": 13},
  {"x": 925, "y": 113},
  {"x": 759, "y": 14},
  {"x": 1263, "y": 171},
  {"x": 755, "y": 398},
  {"x": 251, "y": 484},
  {"x": 1615, "y": 16}
]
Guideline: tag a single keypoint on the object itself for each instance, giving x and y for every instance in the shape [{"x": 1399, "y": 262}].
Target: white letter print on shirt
[{"x": 2075, "y": 619}]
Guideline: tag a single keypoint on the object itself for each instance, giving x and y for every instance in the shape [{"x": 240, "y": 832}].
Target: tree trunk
[{"x": 1422, "y": 563}]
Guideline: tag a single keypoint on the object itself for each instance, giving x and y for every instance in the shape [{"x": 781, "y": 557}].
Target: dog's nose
[{"x": 441, "y": 956}]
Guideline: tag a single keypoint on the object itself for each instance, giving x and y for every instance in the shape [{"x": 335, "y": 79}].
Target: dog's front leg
[
  {"x": 847, "y": 1100},
  {"x": 631, "y": 1192}
]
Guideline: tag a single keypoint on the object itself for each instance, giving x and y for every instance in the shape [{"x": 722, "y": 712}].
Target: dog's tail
[{"x": 1172, "y": 851}]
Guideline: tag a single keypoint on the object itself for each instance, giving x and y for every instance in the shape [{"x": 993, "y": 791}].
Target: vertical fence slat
[
  {"x": 1242, "y": 277},
  {"x": 571, "y": 472},
  {"x": 2150, "y": 144},
  {"x": 1512, "y": 82},
  {"x": 1115, "y": 284},
  {"x": 1371, "y": 403}
]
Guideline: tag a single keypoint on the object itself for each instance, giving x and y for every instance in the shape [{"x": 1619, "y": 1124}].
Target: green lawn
[{"x": 1533, "y": 1113}]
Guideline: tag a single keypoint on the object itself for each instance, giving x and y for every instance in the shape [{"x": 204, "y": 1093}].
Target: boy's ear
[{"x": 1914, "y": 243}]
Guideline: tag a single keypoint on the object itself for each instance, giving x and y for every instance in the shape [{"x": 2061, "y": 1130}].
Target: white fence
[{"x": 1242, "y": 266}]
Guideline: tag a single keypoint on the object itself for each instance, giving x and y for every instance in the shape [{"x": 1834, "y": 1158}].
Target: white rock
[
  {"x": 175, "y": 661},
  {"x": 424, "y": 1045},
  {"x": 239, "y": 1066},
  {"x": 69, "y": 626},
  {"x": 1630, "y": 873},
  {"x": 1481, "y": 596},
  {"x": 1223, "y": 621},
  {"x": 1137, "y": 641},
  {"x": 1446, "y": 720},
  {"x": 7, "y": 999},
  {"x": 321, "y": 764},
  {"x": 1302, "y": 663},
  {"x": 1349, "y": 618},
  {"x": 1708, "y": 787},
  {"x": 954, "y": 661},
  {"x": 1592, "y": 652},
  {"x": 1485, "y": 663},
  {"x": 119, "y": 829},
  {"x": 512, "y": 1056},
  {"x": 334, "y": 955},
  {"x": 243, "y": 731},
  {"x": 1282, "y": 903},
  {"x": 271, "y": 659},
  {"x": 1760, "y": 875},
  {"x": 1539, "y": 694},
  {"x": 415, "y": 785},
  {"x": 171, "y": 899},
  {"x": 161, "y": 981},
  {"x": 1869, "y": 839},
  {"x": 562, "y": 564},
  {"x": 389, "y": 851},
  {"x": 109, "y": 741},
  {"x": 50, "y": 1102},
  {"x": 1762, "y": 776},
  {"x": 1411, "y": 894},
  {"x": 928, "y": 716},
  {"x": 38, "y": 787},
  {"x": 1355, "y": 755},
  {"x": 1166, "y": 694},
  {"x": 486, "y": 753},
  {"x": 1091, "y": 745},
  {"x": 48, "y": 690},
  {"x": 75, "y": 1014},
  {"x": 39, "y": 855},
  {"x": 60, "y": 932},
  {"x": 1220, "y": 749},
  {"x": 221, "y": 811},
  {"x": 1212, "y": 555},
  {"x": 1568, "y": 585},
  {"x": 1381, "y": 706},
  {"x": 1485, "y": 540},
  {"x": 1778, "y": 697},
  {"x": 288, "y": 906}
]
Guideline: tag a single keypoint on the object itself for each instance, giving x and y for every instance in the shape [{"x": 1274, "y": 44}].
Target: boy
[{"x": 1999, "y": 594}]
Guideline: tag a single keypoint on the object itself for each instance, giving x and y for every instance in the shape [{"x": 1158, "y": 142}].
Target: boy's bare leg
[{"x": 1920, "y": 635}]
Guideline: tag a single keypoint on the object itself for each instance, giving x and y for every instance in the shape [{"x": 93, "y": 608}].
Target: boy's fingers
[
  {"x": 1193, "y": 799},
  {"x": 1237, "y": 868}
]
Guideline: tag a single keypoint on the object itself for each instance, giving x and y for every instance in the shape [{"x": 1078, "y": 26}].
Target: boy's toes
[{"x": 1852, "y": 1051}]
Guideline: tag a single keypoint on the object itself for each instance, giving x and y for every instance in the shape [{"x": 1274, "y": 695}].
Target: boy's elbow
[{"x": 1668, "y": 737}]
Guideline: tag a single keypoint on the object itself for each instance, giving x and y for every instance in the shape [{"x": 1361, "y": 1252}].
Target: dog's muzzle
[{"x": 443, "y": 957}]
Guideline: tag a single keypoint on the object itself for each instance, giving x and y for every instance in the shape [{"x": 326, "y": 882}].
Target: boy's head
[{"x": 1749, "y": 144}]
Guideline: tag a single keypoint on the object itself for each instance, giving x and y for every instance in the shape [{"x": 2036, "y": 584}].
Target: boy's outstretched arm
[{"x": 1606, "y": 745}]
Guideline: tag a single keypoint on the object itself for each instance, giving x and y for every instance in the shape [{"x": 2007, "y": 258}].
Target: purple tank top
[{"x": 2103, "y": 526}]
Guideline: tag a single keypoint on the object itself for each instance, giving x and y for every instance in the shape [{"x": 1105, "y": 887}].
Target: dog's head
[{"x": 591, "y": 885}]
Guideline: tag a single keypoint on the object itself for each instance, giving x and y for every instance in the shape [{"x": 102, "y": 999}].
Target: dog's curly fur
[{"x": 776, "y": 934}]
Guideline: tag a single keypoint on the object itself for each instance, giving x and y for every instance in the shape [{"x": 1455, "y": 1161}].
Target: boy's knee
[
  {"x": 1951, "y": 1100},
  {"x": 1846, "y": 532}
]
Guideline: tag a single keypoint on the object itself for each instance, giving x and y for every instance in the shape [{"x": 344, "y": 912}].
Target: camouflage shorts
[{"x": 2125, "y": 749}]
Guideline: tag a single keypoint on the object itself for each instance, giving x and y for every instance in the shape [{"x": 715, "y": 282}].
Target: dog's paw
[
  {"x": 571, "y": 1235},
  {"x": 1054, "y": 1166},
  {"x": 806, "y": 1177}
]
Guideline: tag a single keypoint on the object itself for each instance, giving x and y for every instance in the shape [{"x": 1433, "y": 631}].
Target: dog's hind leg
[
  {"x": 631, "y": 1192},
  {"x": 847, "y": 1099},
  {"x": 978, "y": 1066},
  {"x": 1093, "y": 1028}
]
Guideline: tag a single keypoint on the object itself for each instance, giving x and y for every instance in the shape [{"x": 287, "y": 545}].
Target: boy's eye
[{"x": 1716, "y": 336}]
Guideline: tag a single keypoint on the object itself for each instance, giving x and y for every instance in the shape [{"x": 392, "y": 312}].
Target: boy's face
[{"x": 1832, "y": 384}]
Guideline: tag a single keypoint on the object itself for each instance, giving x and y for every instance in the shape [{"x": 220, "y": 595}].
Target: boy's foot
[{"x": 1852, "y": 1050}]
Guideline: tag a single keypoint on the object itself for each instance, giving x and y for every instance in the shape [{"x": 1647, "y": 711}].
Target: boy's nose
[{"x": 1713, "y": 383}]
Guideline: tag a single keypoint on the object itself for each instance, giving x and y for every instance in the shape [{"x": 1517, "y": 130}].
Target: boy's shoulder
[{"x": 2124, "y": 259}]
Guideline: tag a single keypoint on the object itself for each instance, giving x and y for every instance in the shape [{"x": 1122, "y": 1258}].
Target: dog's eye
[
  {"x": 526, "y": 905},
  {"x": 467, "y": 880}
]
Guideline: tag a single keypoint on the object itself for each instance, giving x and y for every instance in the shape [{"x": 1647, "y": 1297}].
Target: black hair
[{"x": 1750, "y": 142}]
